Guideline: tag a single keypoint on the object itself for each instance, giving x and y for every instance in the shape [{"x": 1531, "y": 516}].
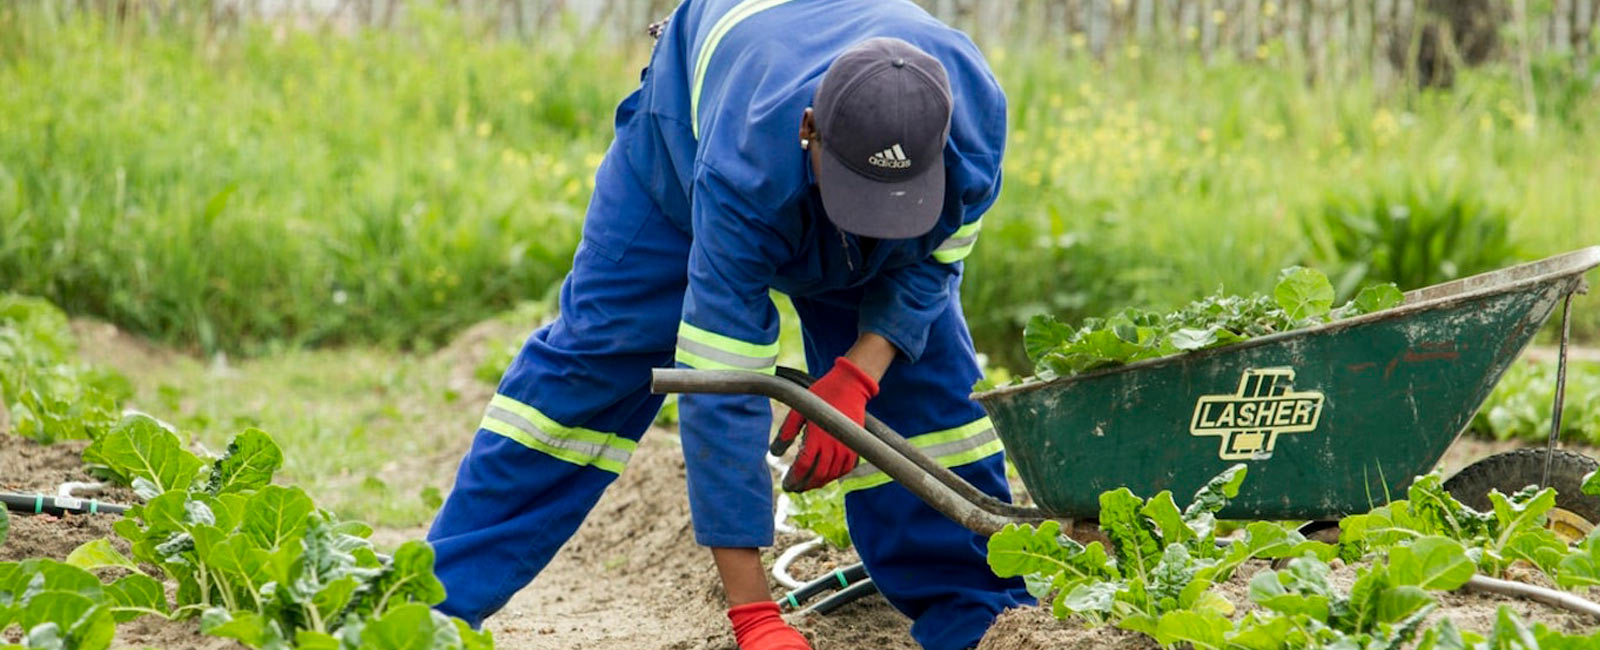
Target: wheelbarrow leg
[{"x": 1561, "y": 390}]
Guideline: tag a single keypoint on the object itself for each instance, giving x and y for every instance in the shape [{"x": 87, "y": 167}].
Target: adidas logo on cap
[{"x": 891, "y": 158}]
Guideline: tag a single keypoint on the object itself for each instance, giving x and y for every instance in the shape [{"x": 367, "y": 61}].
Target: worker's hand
[
  {"x": 759, "y": 626},
  {"x": 822, "y": 458}
]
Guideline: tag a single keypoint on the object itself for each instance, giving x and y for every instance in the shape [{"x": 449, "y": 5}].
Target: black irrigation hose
[
  {"x": 840, "y": 579},
  {"x": 42, "y": 504},
  {"x": 843, "y": 597}
]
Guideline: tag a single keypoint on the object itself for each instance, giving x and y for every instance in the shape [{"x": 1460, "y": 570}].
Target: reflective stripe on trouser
[
  {"x": 571, "y": 406},
  {"x": 535, "y": 430},
  {"x": 927, "y": 566}
]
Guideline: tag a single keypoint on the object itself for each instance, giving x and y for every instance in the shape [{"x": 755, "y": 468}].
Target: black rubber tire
[
  {"x": 1321, "y": 530},
  {"x": 1513, "y": 470}
]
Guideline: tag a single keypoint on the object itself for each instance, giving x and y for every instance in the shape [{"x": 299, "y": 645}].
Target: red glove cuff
[
  {"x": 759, "y": 626},
  {"x": 850, "y": 369},
  {"x": 751, "y": 615}
]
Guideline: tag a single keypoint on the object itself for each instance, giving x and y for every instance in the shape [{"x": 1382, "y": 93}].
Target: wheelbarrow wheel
[{"x": 1575, "y": 513}]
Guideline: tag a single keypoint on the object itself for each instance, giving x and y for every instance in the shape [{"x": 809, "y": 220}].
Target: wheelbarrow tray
[{"x": 1331, "y": 420}]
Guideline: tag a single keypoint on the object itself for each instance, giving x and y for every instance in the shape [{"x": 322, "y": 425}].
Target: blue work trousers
[{"x": 574, "y": 402}]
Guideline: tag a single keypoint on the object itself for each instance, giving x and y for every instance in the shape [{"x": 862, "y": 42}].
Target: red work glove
[
  {"x": 822, "y": 458},
  {"x": 757, "y": 626}
]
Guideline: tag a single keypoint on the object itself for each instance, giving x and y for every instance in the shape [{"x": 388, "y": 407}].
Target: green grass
[
  {"x": 270, "y": 189},
  {"x": 1152, "y": 180},
  {"x": 363, "y": 430},
  {"x": 301, "y": 187}
]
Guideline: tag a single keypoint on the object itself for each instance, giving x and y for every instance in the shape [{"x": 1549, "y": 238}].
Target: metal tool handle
[
  {"x": 933, "y": 483},
  {"x": 939, "y": 472}
]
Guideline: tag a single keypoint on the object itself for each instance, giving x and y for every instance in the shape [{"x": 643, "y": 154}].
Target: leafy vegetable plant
[
  {"x": 1161, "y": 563},
  {"x": 47, "y": 395},
  {"x": 1519, "y": 407},
  {"x": 260, "y": 563},
  {"x": 1157, "y": 576},
  {"x": 1302, "y": 298},
  {"x": 1514, "y": 531},
  {"x": 60, "y": 606},
  {"x": 821, "y": 511}
]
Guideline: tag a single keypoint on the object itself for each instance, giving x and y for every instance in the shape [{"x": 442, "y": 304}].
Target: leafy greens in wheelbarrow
[{"x": 1303, "y": 298}]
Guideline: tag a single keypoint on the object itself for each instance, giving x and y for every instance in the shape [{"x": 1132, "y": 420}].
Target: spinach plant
[
  {"x": 1162, "y": 561},
  {"x": 1519, "y": 407},
  {"x": 821, "y": 511},
  {"x": 59, "y": 606},
  {"x": 1303, "y": 297},
  {"x": 260, "y": 563},
  {"x": 47, "y": 395},
  {"x": 1514, "y": 531},
  {"x": 1157, "y": 575}
]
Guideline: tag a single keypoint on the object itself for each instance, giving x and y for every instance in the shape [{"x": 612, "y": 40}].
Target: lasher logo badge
[{"x": 1250, "y": 420}]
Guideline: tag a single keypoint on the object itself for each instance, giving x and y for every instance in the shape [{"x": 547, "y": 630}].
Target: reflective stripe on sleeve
[
  {"x": 706, "y": 350},
  {"x": 702, "y": 59},
  {"x": 968, "y": 443},
  {"x": 960, "y": 243},
  {"x": 526, "y": 425}
]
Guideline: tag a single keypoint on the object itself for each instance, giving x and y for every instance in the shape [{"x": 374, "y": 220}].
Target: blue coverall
[{"x": 702, "y": 205}]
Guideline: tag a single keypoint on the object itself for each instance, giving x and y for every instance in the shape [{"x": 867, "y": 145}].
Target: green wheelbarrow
[{"x": 1331, "y": 420}]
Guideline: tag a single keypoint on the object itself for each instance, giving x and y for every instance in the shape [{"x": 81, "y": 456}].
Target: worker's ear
[{"x": 808, "y": 125}]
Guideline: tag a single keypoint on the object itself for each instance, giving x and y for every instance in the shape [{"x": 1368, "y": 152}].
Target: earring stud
[{"x": 805, "y": 144}]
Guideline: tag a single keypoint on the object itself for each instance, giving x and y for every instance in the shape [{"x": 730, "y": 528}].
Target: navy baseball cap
[{"x": 883, "y": 113}]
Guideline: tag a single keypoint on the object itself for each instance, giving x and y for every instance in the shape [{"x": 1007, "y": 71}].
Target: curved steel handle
[
  {"x": 943, "y": 474},
  {"x": 907, "y": 465}
]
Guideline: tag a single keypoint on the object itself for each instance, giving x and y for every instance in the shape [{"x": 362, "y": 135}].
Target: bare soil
[
  {"x": 52, "y": 537},
  {"x": 1031, "y": 628},
  {"x": 152, "y": 632}
]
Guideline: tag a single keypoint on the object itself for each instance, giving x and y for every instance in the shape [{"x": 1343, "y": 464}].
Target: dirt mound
[
  {"x": 490, "y": 339},
  {"x": 52, "y": 537},
  {"x": 28, "y": 467},
  {"x": 103, "y": 343},
  {"x": 631, "y": 573}
]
